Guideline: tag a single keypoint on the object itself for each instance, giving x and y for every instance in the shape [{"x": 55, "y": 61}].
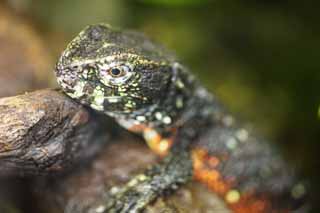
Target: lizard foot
[{"x": 145, "y": 188}]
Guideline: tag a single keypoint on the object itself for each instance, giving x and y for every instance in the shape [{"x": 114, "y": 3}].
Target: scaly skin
[{"x": 148, "y": 91}]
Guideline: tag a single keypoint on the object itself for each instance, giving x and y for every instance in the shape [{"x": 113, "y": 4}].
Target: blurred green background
[{"x": 261, "y": 58}]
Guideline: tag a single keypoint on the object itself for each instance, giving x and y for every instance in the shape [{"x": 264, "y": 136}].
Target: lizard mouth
[
  {"x": 121, "y": 104},
  {"x": 113, "y": 99},
  {"x": 114, "y": 104}
]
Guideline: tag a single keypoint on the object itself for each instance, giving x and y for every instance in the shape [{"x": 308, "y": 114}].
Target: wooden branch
[{"x": 46, "y": 132}]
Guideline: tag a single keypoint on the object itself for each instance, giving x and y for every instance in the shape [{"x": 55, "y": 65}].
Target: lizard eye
[
  {"x": 116, "y": 75},
  {"x": 120, "y": 71},
  {"x": 116, "y": 72}
]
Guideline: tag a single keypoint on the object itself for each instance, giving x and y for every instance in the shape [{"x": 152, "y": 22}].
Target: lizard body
[{"x": 147, "y": 90}]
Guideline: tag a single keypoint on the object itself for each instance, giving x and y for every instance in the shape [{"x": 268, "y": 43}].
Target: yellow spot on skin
[
  {"x": 233, "y": 196},
  {"x": 142, "y": 177},
  {"x": 133, "y": 182},
  {"x": 298, "y": 191},
  {"x": 141, "y": 118},
  {"x": 156, "y": 143},
  {"x": 167, "y": 120},
  {"x": 180, "y": 84},
  {"x": 98, "y": 99},
  {"x": 164, "y": 145},
  {"x": 100, "y": 209},
  {"x": 228, "y": 120},
  {"x": 179, "y": 103},
  {"x": 231, "y": 143},
  {"x": 242, "y": 135},
  {"x": 158, "y": 115},
  {"x": 78, "y": 90}
]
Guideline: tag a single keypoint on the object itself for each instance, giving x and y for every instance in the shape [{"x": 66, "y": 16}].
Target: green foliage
[{"x": 175, "y": 2}]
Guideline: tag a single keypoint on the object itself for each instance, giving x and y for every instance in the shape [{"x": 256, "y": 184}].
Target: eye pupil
[
  {"x": 116, "y": 74},
  {"x": 115, "y": 71}
]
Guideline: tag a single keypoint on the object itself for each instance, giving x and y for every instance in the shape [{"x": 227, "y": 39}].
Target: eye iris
[{"x": 115, "y": 72}]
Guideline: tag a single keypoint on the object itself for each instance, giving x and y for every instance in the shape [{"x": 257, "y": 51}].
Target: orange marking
[
  {"x": 213, "y": 161},
  {"x": 137, "y": 128},
  {"x": 205, "y": 171},
  {"x": 157, "y": 143}
]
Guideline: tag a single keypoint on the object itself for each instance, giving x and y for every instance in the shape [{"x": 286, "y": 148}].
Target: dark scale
[{"x": 161, "y": 97}]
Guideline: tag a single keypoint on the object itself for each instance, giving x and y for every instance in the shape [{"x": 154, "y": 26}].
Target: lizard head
[{"x": 114, "y": 71}]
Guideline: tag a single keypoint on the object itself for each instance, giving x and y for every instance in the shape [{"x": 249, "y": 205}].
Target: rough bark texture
[{"x": 45, "y": 131}]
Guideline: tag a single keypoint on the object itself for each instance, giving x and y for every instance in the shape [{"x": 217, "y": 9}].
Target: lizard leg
[{"x": 174, "y": 170}]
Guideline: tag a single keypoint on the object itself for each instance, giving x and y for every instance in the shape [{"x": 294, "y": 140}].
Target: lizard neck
[
  {"x": 186, "y": 108},
  {"x": 172, "y": 109}
]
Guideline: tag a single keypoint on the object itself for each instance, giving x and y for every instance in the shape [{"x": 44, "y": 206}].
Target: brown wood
[{"x": 47, "y": 132}]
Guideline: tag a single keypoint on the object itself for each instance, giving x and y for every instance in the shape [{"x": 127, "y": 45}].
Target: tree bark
[{"x": 46, "y": 132}]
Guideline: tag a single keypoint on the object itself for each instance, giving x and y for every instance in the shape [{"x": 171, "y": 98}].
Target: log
[{"x": 46, "y": 132}]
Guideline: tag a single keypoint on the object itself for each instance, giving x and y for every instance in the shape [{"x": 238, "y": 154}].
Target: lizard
[{"x": 146, "y": 89}]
